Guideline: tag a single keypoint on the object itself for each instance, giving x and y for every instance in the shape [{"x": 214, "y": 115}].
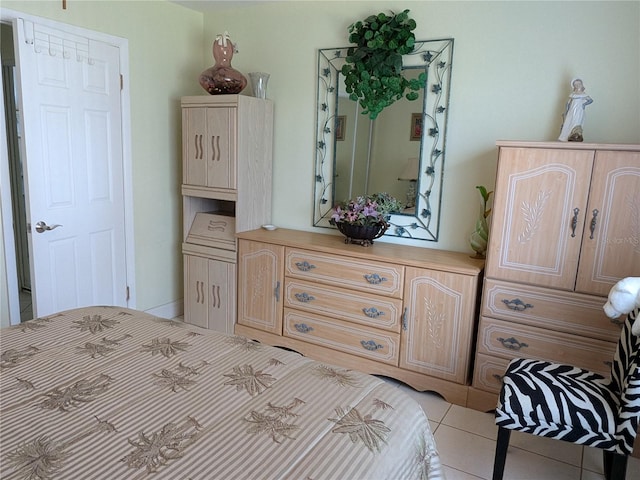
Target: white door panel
[{"x": 73, "y": 167}]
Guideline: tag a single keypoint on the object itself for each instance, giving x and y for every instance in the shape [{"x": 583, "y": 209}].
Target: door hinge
[
  {"x": 121, "y": 82},
  {"x": 128, "y": 296}
]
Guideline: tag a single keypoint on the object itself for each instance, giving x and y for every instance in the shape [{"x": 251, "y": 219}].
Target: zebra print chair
[{"x": 575, "y": 405}]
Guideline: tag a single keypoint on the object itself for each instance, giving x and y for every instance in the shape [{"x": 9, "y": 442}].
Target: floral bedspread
[{"x": 113, "y": 393}]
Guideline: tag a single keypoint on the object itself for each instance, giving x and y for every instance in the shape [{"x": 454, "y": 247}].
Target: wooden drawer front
[
  {"x": 373, "y": 277},
  {"x": 343, "y": 336},
  {"x": 349, "y": 305},
  {"x": 213, "y": 230},
  {"x": 510, "y": 340},
  {"x": 488, "y": 372},
  {"x": 564, "y": 311}
]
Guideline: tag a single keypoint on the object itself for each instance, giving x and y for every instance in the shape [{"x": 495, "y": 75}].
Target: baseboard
[{"x": 168, "y": 310}]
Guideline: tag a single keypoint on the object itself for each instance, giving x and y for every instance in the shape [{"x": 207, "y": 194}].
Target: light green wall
[
  {"x": 165, "y": 52},
  {"x": 512, "y": 65},
  {"x": 513, "y": 62}
]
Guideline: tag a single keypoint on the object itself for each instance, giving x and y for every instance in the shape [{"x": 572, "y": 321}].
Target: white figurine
[{"x": 573, "y": 116}]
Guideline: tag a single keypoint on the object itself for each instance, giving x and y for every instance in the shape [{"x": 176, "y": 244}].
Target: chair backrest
[{"x": 625, "y": 382}]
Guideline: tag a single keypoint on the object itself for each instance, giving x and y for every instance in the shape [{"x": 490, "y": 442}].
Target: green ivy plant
[{"x": 373, "y": 69}]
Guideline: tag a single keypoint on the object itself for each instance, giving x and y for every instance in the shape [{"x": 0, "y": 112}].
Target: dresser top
[
  {"x": 570, "y": 145},
  {"x": 442, "y": 260}
]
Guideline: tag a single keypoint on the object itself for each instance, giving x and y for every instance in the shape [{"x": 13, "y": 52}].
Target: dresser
[
  {"x": 565, "y": 228},
  {"x": 226, "y": 188},
  {"x": 404, "y": 312}
]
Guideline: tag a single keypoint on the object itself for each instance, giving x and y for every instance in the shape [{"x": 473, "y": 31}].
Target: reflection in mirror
[{"x": 401, "y": 152}]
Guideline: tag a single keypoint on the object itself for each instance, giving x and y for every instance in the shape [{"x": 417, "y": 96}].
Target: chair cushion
[{"x": 558, "y": 401}]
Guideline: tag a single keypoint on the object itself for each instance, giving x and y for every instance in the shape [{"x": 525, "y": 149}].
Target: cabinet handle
[
  {"x": 200, "y": 297},
  {"x": 593, "y": 223},
  {"x": 276, "y": 291},
  {"x": 404, "y": 319},
  {"x": 574, "y": 222},
  {"x": 516, "y": 304},
  {"x": 197, "y": 146},
  {"x": 304, "y": 297},
  {"x": 215, "y": 295},
  {"x": 499, "y": 378},
  {"x": 512, "y": 344},
  {"x": 370, "y": 345},
  {"x": 303, "y": 327},
  {"x": 305, "y": 266},
  {"x": 372, "y": 312},
  {"x": 215, "y": 148},
  {"x": 374, "y": 278}
]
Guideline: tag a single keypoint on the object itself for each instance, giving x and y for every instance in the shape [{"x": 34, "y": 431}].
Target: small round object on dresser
[{"x": 269, "y": 227}]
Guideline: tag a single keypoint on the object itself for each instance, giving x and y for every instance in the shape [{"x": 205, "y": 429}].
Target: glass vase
[
  {"x": 259, "y": 83},
  {"x": 222, "y": 78}
]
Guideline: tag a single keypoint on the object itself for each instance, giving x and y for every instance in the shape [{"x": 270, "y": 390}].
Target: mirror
[{"x": 401, "y": 152}]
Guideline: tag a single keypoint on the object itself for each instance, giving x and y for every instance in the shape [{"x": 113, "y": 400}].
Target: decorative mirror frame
[{"x": 436, "y": 57}]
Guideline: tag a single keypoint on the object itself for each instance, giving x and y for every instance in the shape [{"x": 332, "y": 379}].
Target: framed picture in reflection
[
  {"x": 341, "y": 125},
  {"x": 416, "y": 126}
]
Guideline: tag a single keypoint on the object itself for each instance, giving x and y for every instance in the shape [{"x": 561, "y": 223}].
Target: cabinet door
[
  {"x": 209, "y": 146},
  {"x": 611, "y": 240},
  {"x": 209, "y": 297},
  {"x": 438, "y": 324},
  {"x": 221, "y": 156},
  {"x": 194, "y": 146},
  {"x": 261, "y": 273},
  {"x": 221, "y": 296},
  {"x": 196, "y": 281},
  {"x": 538, "y": 215}
]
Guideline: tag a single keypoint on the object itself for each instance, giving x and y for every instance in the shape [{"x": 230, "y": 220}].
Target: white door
[{"x": 69, "y": 93}]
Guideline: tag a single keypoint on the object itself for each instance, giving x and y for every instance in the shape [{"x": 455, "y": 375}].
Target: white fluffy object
[{"x": 623, "y": 298}]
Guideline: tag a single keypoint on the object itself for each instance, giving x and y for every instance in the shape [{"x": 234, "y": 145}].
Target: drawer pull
[
  {"x": 372, "y": 312},
  {"x": 374, "y": 278},
  {"x": 303, "y": 327},
  {"x": 617, "y": 322},
  {"x": 371, "y": 345},
  {"x": 517, "y": 305},
  {"x": 304, "y": 297},
  {"x": 305, "y": 266},
  {"x": 276, "y": 291},
  {"x": 499, "y": 378},
  {"x": 404, "y": 319},
  {"x": 512, "y": 344},
  {"x": 592, "y": 227},
  {"x": 574, "y": 221}
]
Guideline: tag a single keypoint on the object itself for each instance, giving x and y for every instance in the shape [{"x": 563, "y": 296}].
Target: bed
[{"x": 113, "y": 393}]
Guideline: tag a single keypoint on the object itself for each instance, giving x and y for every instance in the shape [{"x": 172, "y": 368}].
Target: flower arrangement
[{"x": 366, "y": 210}]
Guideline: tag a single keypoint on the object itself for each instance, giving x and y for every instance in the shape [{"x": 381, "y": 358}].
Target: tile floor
[{"x": 466, "y": 441}]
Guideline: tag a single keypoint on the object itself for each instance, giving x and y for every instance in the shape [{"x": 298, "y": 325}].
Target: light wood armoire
[
  {"x": 226, "y": 188},
  {"x": 565, "y": 228}
]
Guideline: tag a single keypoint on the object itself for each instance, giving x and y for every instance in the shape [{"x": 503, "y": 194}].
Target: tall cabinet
[
  {"x": 226, "y": 188},
  {"x": 565, "y": 228}
]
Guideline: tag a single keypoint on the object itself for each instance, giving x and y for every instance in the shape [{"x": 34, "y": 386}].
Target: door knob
[{"x": 42, "y": 227}]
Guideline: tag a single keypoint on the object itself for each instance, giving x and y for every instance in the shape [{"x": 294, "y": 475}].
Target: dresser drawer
[
  {"x": 488, "y": 372},
  {"x": 374, "y": 277},
  {"x": 363, "y": 308},
  {"x": 564, "y": 311},
  {"x": 510, "y": 340},
  {"x": 343, "y": 336}
]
